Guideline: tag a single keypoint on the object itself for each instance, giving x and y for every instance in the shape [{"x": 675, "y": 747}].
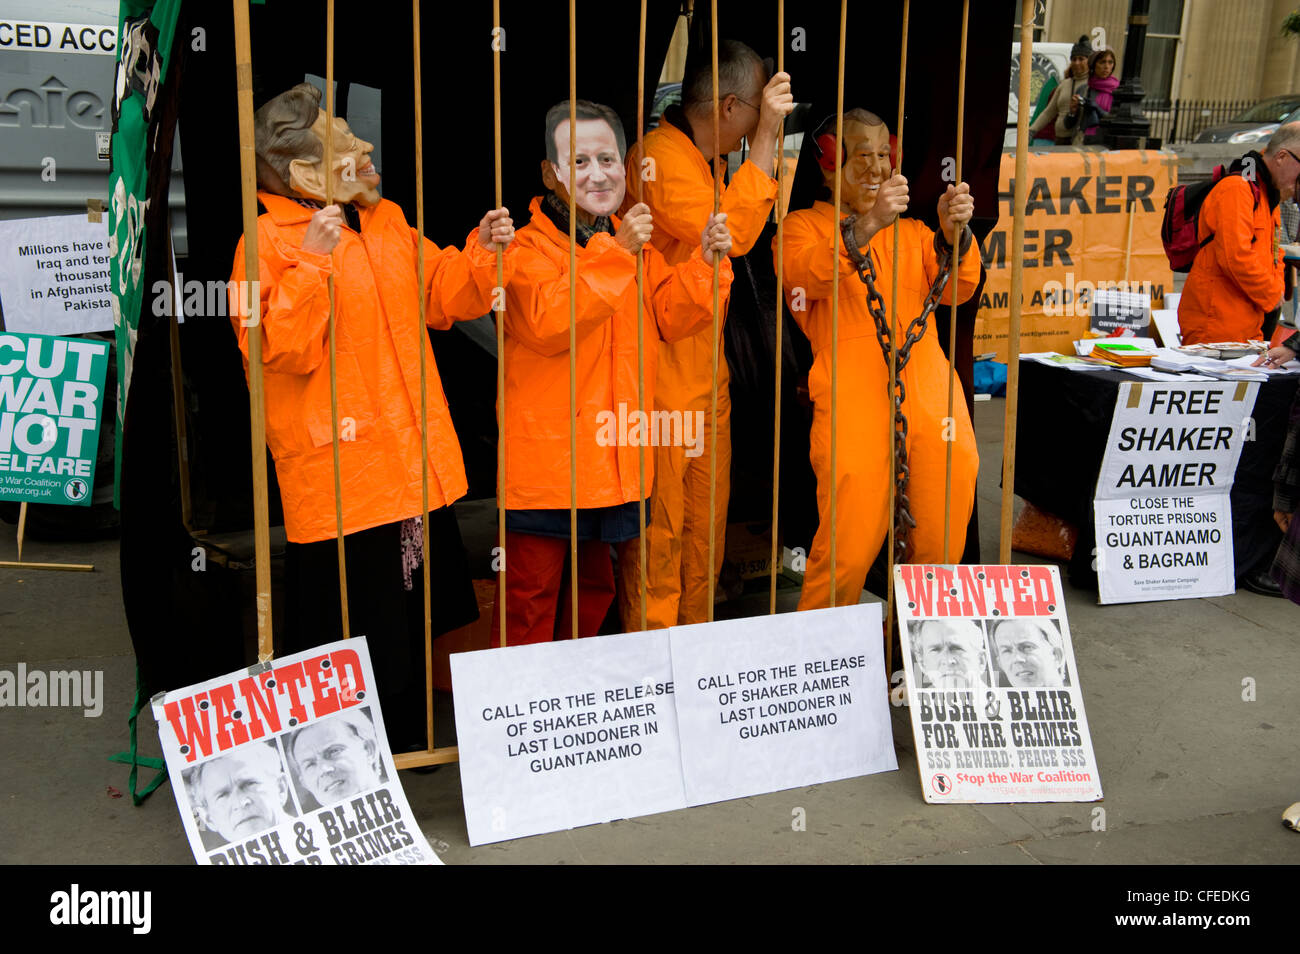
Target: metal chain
[{"x": 904, "y": 522}]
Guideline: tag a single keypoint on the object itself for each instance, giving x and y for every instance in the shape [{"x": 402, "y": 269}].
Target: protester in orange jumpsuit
[
  {"x": 1237, "y": 276},
  {"x": 678, "y": 181},
  {"x": 865, "y": 418},
  {"x": 610, "y": 423},
  {"x": 365, "y": 243}
]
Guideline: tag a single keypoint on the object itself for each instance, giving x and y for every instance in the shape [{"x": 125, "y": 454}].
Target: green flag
[{"x": 146, "y": 31}]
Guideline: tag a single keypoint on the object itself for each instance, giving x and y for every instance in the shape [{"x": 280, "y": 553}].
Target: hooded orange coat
[
  {"x": 865, "y": 412},
  {"x": 679, "y": 191},
  {"x": 1238, "y": 275},
  {"x": 378, "y": 364},
  {"x": 678, "y": 303}
]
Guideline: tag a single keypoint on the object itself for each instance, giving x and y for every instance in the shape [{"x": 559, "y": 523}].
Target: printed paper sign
[
  {"x": 772, "y": 702},
  {"x": 54, "y": 275},
  {"x": 1114, "y": 310},
  {"x": 51, "y": 396},
  {"x": 567, "y": 733},
  {"x": 1162, "y": 510},
  {"x": 575, "y": 732},
  {"x": 997, "y": 710},
  {"x": 288, "y": 763}
]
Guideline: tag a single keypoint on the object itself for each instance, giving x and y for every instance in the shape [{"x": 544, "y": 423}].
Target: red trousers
[{"x": 534, "y": 571}]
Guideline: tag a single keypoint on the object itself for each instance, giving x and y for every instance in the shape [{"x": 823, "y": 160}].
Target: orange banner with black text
[{"x": 1092, "y": 221}]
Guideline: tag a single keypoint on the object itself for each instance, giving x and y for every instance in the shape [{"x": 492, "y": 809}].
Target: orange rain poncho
[
  {"x": 610, "y": 428},
  {"x": 679, "y": 191},
  {"x": 678, "y": 303},
  {"x": 378, "y": 364},
  {"x": 1238, "y": 275},
  {"x": 865, "y": 412}
]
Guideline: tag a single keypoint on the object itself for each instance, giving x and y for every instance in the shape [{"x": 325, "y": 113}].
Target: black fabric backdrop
[
  {"x": 188, "y": 625},
  {"x": 1064, "y": 422}
]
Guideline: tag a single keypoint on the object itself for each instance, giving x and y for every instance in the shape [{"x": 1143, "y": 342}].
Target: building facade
[{"x": 1195, "y": 49}]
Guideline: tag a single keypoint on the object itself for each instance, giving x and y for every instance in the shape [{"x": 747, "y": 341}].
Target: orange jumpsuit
[
  {"x": 378, "y": 364},
  {"x": 678, "y": 304},
  {"x": 679, "y": 192},
  {"x": 1238, "y": 275},
  {"x": 865, "y": 406}
]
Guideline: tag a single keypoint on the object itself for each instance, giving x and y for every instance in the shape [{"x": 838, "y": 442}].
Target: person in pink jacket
[{"x": 1102, "y": 83}]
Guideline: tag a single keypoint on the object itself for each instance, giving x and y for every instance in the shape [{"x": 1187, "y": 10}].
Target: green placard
[{"x": 51, "y": 398}]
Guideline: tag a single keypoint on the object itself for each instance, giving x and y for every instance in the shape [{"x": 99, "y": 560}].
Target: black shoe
[{"x": 1262, "y": 583}]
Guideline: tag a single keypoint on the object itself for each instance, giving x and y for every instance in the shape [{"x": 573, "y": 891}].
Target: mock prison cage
[{"x": 188, "y": 450}]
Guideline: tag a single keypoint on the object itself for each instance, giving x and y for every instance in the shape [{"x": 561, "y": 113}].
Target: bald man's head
[{"x": 1282, "y": 156}]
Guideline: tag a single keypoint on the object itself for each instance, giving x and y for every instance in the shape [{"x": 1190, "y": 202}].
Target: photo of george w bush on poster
[
  {"x": 997, "y": 709},
  {"x": 288, "y": 763}
]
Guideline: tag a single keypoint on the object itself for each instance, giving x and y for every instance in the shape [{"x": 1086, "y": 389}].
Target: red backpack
[{"x": 1178, "y": 231}]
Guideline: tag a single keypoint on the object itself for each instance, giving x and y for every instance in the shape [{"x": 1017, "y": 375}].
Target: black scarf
[
  {"x": 558, "y": 213},
  {"x": 350, "y": 213}
]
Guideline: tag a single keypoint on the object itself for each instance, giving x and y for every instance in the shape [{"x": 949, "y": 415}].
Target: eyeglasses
[{"x": 749, "y": 104}]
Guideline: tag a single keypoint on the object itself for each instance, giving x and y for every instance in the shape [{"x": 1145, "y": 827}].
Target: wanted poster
[
  {"x": 1162, "y": 510},
  {"x": 288, "y": 763},
  {"x": 997, "y": 709},
  {"x": 51, "y": 399}
]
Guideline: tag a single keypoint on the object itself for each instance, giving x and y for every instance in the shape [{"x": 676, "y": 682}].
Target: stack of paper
[
  {"x": 1291, "y": 367},
  {"x": 1170, "y": 359},
  {"x": 1153, "y": 374},
  {"x": 1071, "y": 362},
  {"x": 1225, "y": 350},
  {"x": 1085, "y": 346},
  {"x": 1124, "y": 353},
  {"x": 1224, "y": 372}
]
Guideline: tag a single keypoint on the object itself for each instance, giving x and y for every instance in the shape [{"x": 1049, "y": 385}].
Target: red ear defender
[{"x": 826, "y": 149}]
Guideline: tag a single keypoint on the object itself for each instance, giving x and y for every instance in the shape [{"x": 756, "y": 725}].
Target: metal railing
[{"x": 1181, "y": 120}]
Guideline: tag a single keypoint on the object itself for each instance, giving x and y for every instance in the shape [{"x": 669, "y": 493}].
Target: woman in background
[
  {"x": 1102, "y": 83},
  {"x": 1064, "y": 100}
]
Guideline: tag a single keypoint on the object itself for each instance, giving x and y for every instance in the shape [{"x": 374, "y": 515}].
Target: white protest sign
[
  {"x": 288, "y": 763},
  {"x": 1162, "y": 513},
  {"x": 775, "y": 702},
  {"x": 54, "y": 275},
  {"x": 567, "y": 733},
  {"x": 997, "y": 710}
]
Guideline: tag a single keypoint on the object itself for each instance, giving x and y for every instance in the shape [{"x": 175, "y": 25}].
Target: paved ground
[{"x": 1192, "y": 773}]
